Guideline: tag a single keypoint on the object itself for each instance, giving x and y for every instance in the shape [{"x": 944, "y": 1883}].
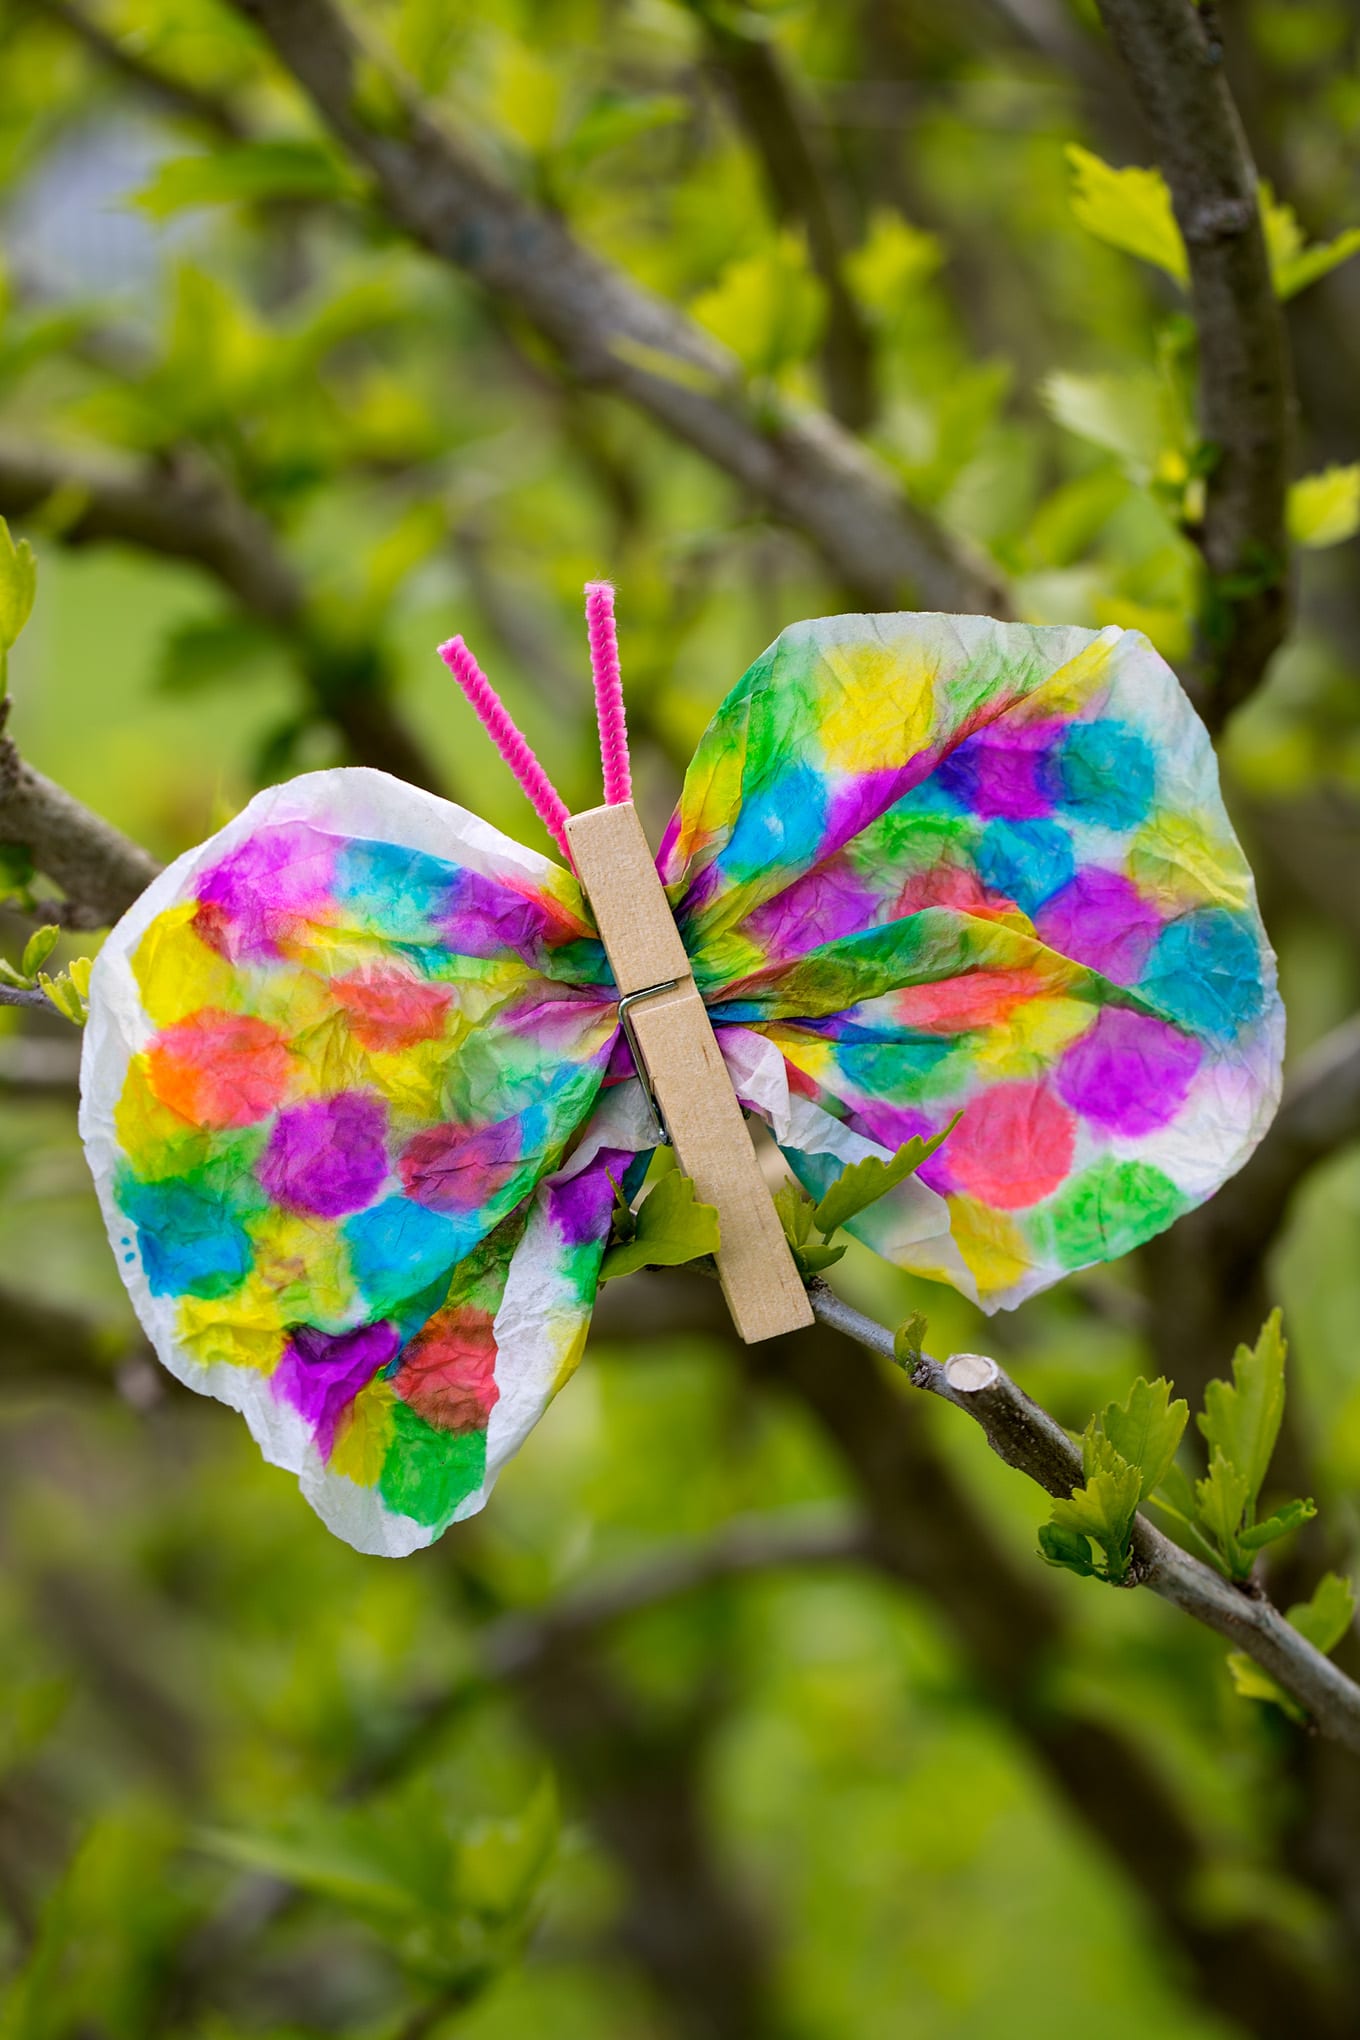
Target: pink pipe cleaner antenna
[
  {"x": 604, "y": 666},
  {"x": 494, "y": 717}
]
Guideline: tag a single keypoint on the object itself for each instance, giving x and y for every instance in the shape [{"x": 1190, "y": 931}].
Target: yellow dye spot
[
  {"x": 177, "y": 972},
  {"x": 993, "y": 1247},
  {"x": 326, "y": 1059},
  {"x": 1069, "y": 690},
  {"x": 881, "y": 711},
  {"x": 412, "y": 1079},
  {"x": 712, "y": 796},
  {"x": 1032, "y": 1036},
  {"x": 1179, "y": 864},
  {"x": 571, "y": 1356},
  {"x": 302, "y": 1266},
  {"x": 292, "y": 1000},
  {"x": 152, "y": 1135},
  {"x": 810, "y": 1053},
  {"x": 244, "y": 1330},
  {"x": 364, "y": 1434}
]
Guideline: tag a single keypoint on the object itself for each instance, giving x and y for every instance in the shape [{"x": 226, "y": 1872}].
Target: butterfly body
[{"x": 356, "y": 1098}]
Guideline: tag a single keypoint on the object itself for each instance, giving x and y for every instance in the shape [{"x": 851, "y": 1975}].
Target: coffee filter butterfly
[{"x": 356, "y": 1099}]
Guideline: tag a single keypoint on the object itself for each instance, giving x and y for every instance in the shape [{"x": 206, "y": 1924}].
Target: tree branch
[
  {"x": 174, "y": 96},
  {"x": 610, "y": 332},
  {"x": 757, "y": 81},
  {"x": 1174, "y": 62},
  {"x": 178, "y": 509},
  {"x": 100, "y": 870},
  {"x": 1028, "y": 1439}
]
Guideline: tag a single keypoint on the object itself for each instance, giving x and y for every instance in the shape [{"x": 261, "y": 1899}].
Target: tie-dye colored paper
[{"x": 354, "y": 1091}]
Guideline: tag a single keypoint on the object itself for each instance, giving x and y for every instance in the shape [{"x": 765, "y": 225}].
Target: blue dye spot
[
  {"x": 1025, "y": 861},
  {"x": 399, "y": 894},
  {"x": 398, "y": 1248},
  {"x": 1106, "y": 773},
  {"x": 129, "y": 1257},
  {"x": 191, "y": 1243},
  {"x": 1205, "y": 973},
  {"x": 780, "y": 824}
]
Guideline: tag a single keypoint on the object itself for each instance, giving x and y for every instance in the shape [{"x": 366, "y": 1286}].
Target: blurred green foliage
[{"x": 253, "y": 1784}]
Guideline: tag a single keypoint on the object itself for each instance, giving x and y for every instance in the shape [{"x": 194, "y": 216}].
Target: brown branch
[
  {"x": 612, "y": 334},
  {"x": 757, "y": 81},
  {"x": 174, "y": 96},
  {"x": 100, "y": 870},
  {"x": 1174, "y": 63},
  {"x": 927, "y": 1534},
  {"x": 178, "y": 509},
  {"x": 1028, "y": 1439}
]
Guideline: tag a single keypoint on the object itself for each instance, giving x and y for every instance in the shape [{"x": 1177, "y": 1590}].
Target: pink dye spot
[
  {"x": 947, "y": 885},
  {"x": 448, "y": 1372},
  {"x": 1101, "y": 919},
  {"x": 1013, "y": 1145},
  {"x": 387, "y": 1009},
  {"x": 1130, "y": 1073},
  {"x": 460, "y": 1168},
  {"x": 219, "y": 1069}
]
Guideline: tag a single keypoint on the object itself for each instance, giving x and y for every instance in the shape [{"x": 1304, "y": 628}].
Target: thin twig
[
  {"x": 177, "y": 508},
  {"x": 1027, "y": 1438},
  {"x": 1174, "y": 62},
  {"x": 610, "y": 332}
]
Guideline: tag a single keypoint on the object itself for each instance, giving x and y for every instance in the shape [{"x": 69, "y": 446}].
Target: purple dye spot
[
  {"x": 892, "y": 1125},
  {"x": 461, "y": 1168},
  {"x": 827, "y": 903},
  {"x": 262, "y": 888},
  {"x": 485, "y": 918},
  {"x": 1001, "y": 771},
  {"x": 861, "y": 797},
  {"x": 1129, "y": 1073},
  {"x": 580, "y": 1208},
  {"x": 321, "y": 1373},
  {"x": 1099, "y": 918},
  {"x": 327, "y": 1156}
]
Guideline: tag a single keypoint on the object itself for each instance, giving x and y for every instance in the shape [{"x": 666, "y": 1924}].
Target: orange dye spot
[
  {"x": 388, "y": 1010},
  {"x": 219, "y": 1069}
]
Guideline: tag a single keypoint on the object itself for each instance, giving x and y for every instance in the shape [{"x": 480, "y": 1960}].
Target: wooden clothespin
[{"x": 681, "y": 1064}]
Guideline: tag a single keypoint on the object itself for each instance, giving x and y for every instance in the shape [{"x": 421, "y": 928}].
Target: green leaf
[
  {"x": 207, "y": 650},
  {"x": 671, "y": 1228},
  {"x": 322, "y": 1864},
  {"x": 1126, "y": 414},
  {"x": 1146, "y": 1429},
  {"x": 17, "y": 872},
  {"x": 38, "y": 948},
  {"x": 1104, "y": 1510},
  {"x": 1325, "y": 1618},
  {"x": 500, "y": 1864},
  {"x": 617, "y": 118},
  {"x": 1176, "y": 1502},
  {"x": 1292, "y": 265},
  {"x": 1221, "y": 1501},
  {"x": 1242, "y": 1420},
  {"x": 909, "y": 1338},
  {"x": 1129, "y": 209},
  {"x": 861, "y": 1184},
  {"x": 1324, "y": 508},
  {"x": 251, "y": 171},
  {"x": 1290, "y": 1517},
  {"x": 1067, "y": 1548},
  {"x": 887, "y": 270},
  {"x": 18, "y": 585},
  {"x": 1255, "y": 1684},
  {"x": 767, "y": 308}
]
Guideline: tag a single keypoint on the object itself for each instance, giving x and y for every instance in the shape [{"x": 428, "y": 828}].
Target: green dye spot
[
  {"x": 1110, "y": 1209},
  {"x": 427, "y": 1473}
]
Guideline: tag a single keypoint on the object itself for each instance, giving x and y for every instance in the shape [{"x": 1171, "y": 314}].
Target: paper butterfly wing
[
  {"x": 947, "y": 864},
  {"x": 335, "y": 1058}
]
